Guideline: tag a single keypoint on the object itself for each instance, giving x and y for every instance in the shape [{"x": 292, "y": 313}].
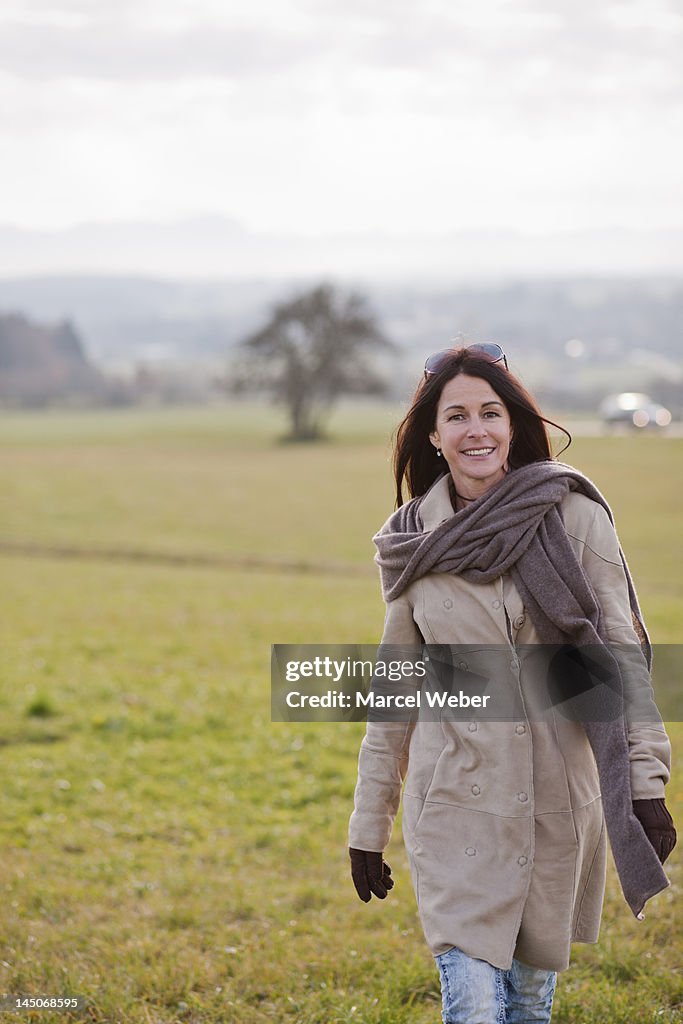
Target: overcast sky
[{"x": 341, "y": 115}]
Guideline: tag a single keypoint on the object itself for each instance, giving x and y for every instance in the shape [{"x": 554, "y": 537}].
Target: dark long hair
[{"x": 415, "y": 459}]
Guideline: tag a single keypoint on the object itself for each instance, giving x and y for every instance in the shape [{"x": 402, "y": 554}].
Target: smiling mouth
[{"x": 478, "y": 451}]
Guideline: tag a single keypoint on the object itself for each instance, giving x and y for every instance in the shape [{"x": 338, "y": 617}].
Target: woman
[{"x": 499, "y": 549}]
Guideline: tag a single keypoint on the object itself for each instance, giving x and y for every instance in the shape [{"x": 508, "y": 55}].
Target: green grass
[{"x": 168, "y": 852}]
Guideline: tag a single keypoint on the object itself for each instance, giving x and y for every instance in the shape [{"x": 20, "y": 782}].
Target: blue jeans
[{"x": 475, "y": 992}]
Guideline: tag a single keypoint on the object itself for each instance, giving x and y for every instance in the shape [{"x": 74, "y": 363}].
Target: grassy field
[{"x": 170, "y": 854}]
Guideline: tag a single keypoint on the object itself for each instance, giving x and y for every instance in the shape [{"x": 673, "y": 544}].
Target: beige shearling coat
[{"x": 502, "y": 821}]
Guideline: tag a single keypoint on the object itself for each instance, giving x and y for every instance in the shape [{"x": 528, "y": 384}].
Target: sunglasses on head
[{"x": 488, "y": 349}]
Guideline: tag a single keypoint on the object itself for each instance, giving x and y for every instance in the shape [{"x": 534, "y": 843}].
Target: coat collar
[{"x": 436, "y": 506}]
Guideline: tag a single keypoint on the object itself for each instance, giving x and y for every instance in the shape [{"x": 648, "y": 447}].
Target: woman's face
[{"x": 473, "y": 430}]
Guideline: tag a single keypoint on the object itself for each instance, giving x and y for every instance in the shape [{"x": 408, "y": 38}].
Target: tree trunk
[{"x": 304, "y": 422}]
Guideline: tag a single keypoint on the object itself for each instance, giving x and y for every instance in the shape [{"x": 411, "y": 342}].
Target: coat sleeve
[
  {"x": 383, "y": 756},
  {"x": 649, "y": 747}
]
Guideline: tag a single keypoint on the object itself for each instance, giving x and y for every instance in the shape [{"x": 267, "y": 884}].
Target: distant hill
[
  {"x": 123, "y": 320},
  {"x": 213, "y": 246}
]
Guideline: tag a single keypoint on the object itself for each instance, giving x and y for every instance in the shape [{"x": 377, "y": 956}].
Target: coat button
[
  {"x": 520, "y": 729},
  {"x": 448, "y": 603},
  {"x": 519, "y": 621},
  {"x": 521, "y": 861},
  {"x": 472, "y": 727},
  {"x": 496, "y": 604},
  {"x": 476, "y": 791},
  {"x": 514, "y": 664},
  {"x": 522, "y": 797},
  {"x": 470, "y": 851}
]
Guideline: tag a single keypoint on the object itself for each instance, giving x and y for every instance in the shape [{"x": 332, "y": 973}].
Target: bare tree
[{"x": 314, "y": 348}]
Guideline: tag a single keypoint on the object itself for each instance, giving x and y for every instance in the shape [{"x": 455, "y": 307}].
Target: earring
[{"x": 438, "y": 451}]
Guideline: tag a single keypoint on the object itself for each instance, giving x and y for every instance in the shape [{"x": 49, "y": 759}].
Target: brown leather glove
[
  {"x": 371, "y": 874},
  {"x": 658, "y": 825}
]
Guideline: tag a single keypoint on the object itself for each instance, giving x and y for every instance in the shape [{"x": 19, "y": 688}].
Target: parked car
[{"x": 635, "y": 410}]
